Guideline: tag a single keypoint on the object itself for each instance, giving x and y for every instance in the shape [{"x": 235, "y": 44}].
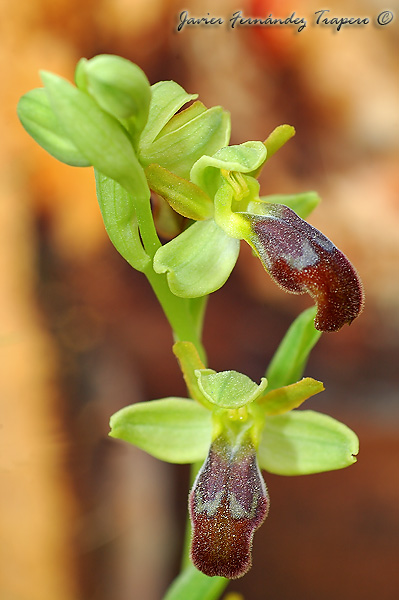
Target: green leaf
[
  {"x": 167, "y": 97},
  {"x": 38, "y": 119},
  {"x": 180, "y": 148},
  {"x": 303, "y": 441},
  {"x": 199, "y": 260},
  {"x": 228, "y": 389},
  {"x": 286, "y": 398},
  {"x": 289, "y": 361},
  {"x": 119, "y": 86},
  {"x": 184, "y": 197},
  {"x": 97, "y": 135},
  {"x": 175, "y": 430},
  {"x": 194, "y": 585},
  {"x": 303, "y": 204},
  {"x": 117, "y": 209}
]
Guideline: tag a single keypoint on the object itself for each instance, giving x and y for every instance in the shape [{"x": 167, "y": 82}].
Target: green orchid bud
[
  {"x": 98, "y": 136},
  {"x": 39, "y": 120},
  {"x": 119, "y": 86},
  {"x": 177, "y": 141}
]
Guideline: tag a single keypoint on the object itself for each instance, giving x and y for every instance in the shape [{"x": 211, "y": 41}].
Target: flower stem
[{"x": 177, "y": 311}]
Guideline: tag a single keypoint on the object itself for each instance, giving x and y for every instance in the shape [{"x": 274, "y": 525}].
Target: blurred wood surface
[{"x": 36, "y": 504}]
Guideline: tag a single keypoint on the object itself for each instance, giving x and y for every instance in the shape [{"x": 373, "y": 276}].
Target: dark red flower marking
[
  {"x": 227, "y": 504},
  {"x": 301, "y": 259}
]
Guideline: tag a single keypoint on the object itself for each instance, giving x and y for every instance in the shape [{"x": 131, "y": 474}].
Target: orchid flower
[
  {"x": 236, "y": 428},
  {"x": 227, "y": 209}
]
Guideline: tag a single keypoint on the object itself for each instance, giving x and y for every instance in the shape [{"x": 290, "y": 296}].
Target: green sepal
[
  {"x": 175, "y": 430},
  {"x": 303, "y": 204},
  {"x": 229, "y": 389},
  {"x": 179, "y": 148},
  {"x": 38, "y": 119},
  {"x": 289, "y": 361},
  {"x": 242, "y": 158},
  {"x": 167, "y": 97},
  {"x": 184, "y": 197},
  {"x": 304, "y": 441},
  {"x": 117, "y": 209},
  {"x": 119, "y": 86},
  {"x": 284, "y": 399},
  {"x": 189, "y": 362},
  {"x": 199, "y": 260},
  {"x": 97, "y": 135}
]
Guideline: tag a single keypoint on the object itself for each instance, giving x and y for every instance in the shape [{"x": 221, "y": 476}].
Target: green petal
[
  {"x": 184, "y": 197},
  {"x": 303, "y": 204},
  {"x": 289, "y": 361},
  {"x": 184, "y": 116},
  {"x": 304, "y": 442},
  {"x": 39, "y": 120},
  {"x": 243, "y": 158},
  {"x": 167, "y": 97},
  {"x": 278, "y": 137},
  {"x": 175, "y": 430},
  {"x": 97, "y": 135},
  {"x": 180, "y": 148},
  {"x": 119, "y": 86},
  {"x": 199, "y": 260},
  {"x": 228, "y": 389},
  {"x": 286, "y": 398}
]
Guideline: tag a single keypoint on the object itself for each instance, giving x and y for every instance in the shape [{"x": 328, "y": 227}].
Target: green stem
[
  {"x": 177, "y": 311},
  {"x": 186, "y": 325},
  {"x": 185, "y": 316}
]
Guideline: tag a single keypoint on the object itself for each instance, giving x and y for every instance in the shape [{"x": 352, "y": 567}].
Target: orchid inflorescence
[{"x": 167, "y": 171}]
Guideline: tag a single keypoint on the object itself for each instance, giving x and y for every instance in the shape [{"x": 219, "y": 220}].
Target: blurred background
[{"x": 84, "y": 517}]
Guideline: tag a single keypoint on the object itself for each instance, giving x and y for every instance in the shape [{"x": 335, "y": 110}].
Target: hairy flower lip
[
  {"x": 227, "y": 503},
  {"x": 301, "y": 259}
]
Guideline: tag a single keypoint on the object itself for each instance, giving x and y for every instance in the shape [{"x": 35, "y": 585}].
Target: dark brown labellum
[
  {"x": 301, "y": 259},
  {"x": 227, "y": 504}
]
